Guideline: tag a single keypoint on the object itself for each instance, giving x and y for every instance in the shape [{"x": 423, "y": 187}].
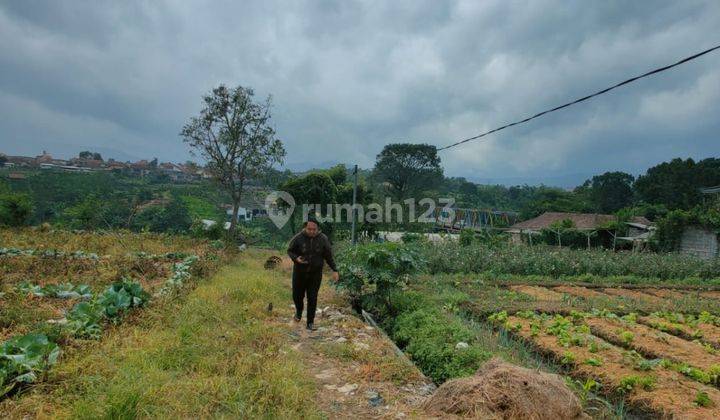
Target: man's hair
[{"x": 311, "y": 220}]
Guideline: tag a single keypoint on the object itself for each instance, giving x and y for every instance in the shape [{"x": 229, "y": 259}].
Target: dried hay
[
  {"x": 272, "y": 262},
  {"x": 499, "y": 390}
]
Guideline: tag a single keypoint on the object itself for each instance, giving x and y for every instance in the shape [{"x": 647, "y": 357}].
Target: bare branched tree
[{"x": 233, "y": 135}]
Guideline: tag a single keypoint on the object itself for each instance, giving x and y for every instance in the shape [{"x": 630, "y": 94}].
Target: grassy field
[{"x": 209, "y": 354}]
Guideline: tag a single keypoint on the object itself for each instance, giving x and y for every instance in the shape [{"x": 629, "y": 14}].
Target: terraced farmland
[{"x": 661, "y": 362}]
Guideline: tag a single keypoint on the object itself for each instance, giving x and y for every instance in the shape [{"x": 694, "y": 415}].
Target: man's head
[{"x": 311, "y": 228}]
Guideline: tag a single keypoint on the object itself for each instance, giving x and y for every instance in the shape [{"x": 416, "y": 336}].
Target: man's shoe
[
  {"x": 311, "y": 326},
  {"x": 296, "y": 318}
]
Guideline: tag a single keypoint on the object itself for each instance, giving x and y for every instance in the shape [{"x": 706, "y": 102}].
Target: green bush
[
  {"x": 15, "y": 209},
  {"x": 377, "y": 268},
  {"x": 467, "y": 237},
  {"x": 430, "y": 338}
]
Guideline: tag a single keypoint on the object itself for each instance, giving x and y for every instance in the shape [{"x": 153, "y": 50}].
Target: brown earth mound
[{"x": 500, "y": 390}]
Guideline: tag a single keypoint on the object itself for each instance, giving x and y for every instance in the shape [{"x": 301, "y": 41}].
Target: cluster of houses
[
  {"x": 636, "y": 234},
  {"x": 93, "y": 162}
]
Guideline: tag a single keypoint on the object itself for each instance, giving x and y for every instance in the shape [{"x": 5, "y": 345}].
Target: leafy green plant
[
  {"x": 593, "y": 361},
  {"x": 378, "y": 268},
  {"x": 467, "y": 237},
  {"x": 23, "y": 358},
  {"x": 702, "y": 399},
  {"x": 630, "y": 382},
  {"x": 626, "y": 337},
  {"x": 568, "y": 358},
  {"x": 498, "y": 318},
  {"x": 85, "y": 318},
  {"x": 430, "y": 339},
  {"x": 62, "y": 291},
  {"x": 647, "y": 365}
]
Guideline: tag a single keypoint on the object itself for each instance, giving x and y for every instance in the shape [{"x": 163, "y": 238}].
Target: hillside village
[{"x": 89, "y": 162}]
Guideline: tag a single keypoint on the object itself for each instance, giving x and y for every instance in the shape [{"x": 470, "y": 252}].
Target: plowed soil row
[
  {"x": 653, "y": 343},
  {"x": 539, "y": 293},
  {"x": 634, "y": 294},
  {"x": 672, "y": 396},
  {"x": 580, "y": 291},
  {"x": 706, "y": 333}
]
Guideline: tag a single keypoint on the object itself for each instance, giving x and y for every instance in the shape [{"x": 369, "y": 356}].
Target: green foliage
[
  {"x": 201, "y": 208},
  {"x": 627, "y": 337},
  {"x": 23, "y": 358},
  {"x": 593, "y": 361},
  {"x": 611, "y": 191},
  {"x": 676, "y": 184},
  {"x": 15, "y": 209},
  {"x": 407, "y": 168},
  {"x": 630, "y": 382},
  {"x": 647, "y": 365},
  {"x": 568, "y": 358},
  {"x": 501, "y": 259},
  {"x": 377, "y": 268},
  {"x": 85, "y": 318},
  {"x": 173, "y": 218},
  {"x": 62, "y": 291},
  {"x": 338, "y": 174},
  {"x": 432, "y": 344},
  {"x": 467, "y": 237},
  {"x": 702, "y": 399},
  {"x": 670, "y": 228}
]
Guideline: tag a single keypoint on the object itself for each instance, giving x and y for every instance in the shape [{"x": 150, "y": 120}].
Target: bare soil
[
  {"x": 539, "y": 293},
  {"x": 579, "y": 291},
  {"x": 633, "y": 294},
  {"x": 654, "y": 343},
  {"x": 672, "y": 397}
]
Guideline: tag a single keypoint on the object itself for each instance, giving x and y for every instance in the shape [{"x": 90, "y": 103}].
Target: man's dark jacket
[{"x": 314, "y": 250}]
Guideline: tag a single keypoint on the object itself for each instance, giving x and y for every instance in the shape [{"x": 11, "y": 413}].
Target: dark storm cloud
[{"x": 348, "y": 77}]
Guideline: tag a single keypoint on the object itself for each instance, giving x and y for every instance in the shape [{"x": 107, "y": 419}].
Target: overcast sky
[{"x": 348, "y": 77}]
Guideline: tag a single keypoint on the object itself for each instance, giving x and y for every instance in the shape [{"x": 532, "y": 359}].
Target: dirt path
[{"x": 356, "y": 368}]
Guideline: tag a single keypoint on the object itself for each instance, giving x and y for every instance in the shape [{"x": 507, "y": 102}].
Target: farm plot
[
  {"x": 663, "y": 387},
  {"x": 512, "y": 298},
  {"x": 704, "y": 327},
  {"x": 51, "y": 298}
]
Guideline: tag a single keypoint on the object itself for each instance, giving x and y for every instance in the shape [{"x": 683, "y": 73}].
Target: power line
[{"x": 585, "y": 98}]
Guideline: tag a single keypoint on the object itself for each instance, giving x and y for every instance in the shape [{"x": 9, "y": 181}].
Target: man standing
[{"x": 309, "y": 250}]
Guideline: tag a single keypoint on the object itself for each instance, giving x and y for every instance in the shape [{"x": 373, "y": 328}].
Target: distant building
[
  {"x": 639, "y": 228},
  {"x": 249, "y": 209}
]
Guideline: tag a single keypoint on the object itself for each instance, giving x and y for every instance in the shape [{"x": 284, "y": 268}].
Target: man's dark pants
[{"x": 306, "y": 283}]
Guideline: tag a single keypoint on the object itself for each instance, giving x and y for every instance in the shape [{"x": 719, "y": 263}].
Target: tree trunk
[{"x": 233, "y": 221}]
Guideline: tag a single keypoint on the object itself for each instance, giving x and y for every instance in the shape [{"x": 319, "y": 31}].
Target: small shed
[
  {"x": 699, "y": 241},
  {"x": 639, "y": 227}
]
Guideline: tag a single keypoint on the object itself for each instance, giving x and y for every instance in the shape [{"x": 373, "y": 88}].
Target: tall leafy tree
[
  {"x": 611, "y": 191},
  {"x": 408, "y": 168},
  {"x": 677, "y": 183},
  {"x": 233, "y": 134}
]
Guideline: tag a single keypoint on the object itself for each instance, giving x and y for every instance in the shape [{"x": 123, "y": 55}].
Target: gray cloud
[{"x": 348, "y": 77}]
